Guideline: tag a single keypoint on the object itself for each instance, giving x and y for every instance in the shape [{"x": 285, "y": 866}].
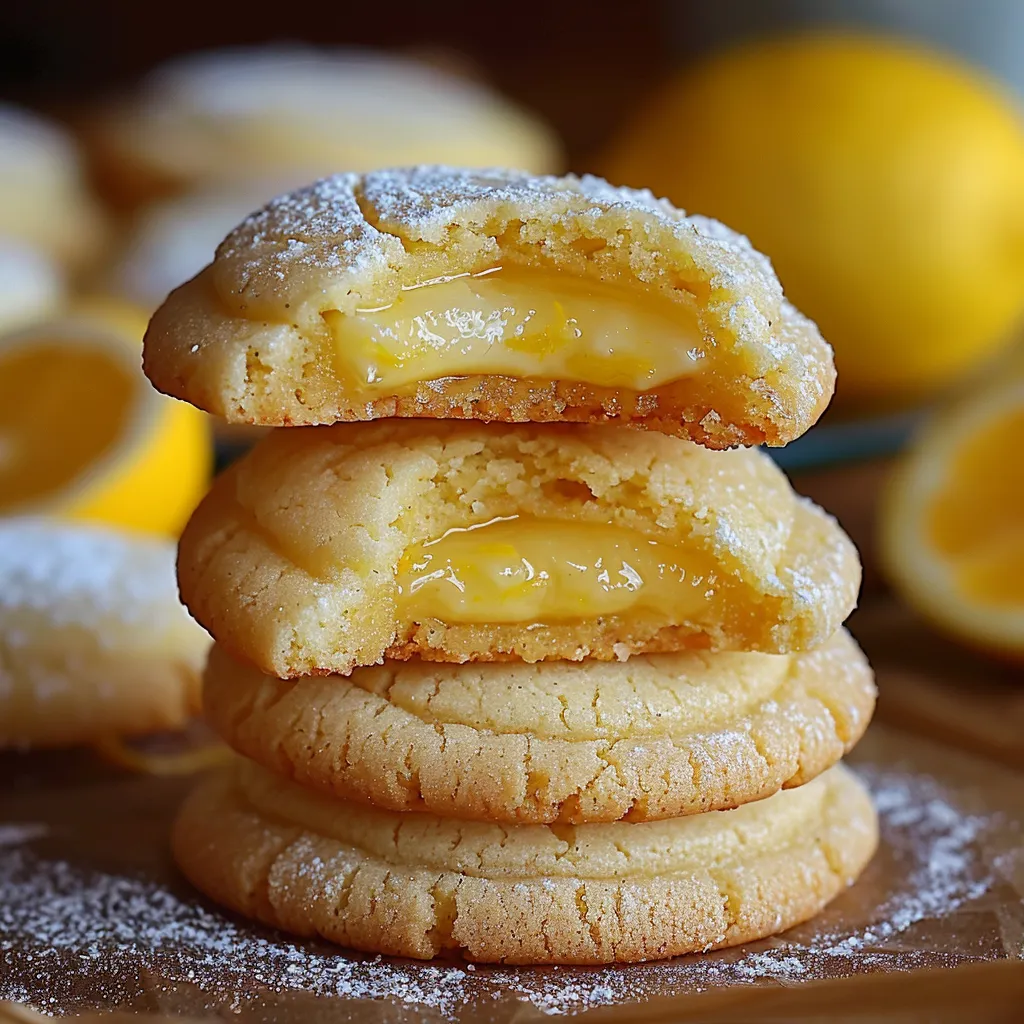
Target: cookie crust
[
  {"x": 656, "y": 737},
  {"x": 418, "y": 885}
]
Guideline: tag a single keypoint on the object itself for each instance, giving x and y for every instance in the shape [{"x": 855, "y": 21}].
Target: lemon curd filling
[
  {"x": 518, "y": 323},
  {"x": 523, "y": 569}
]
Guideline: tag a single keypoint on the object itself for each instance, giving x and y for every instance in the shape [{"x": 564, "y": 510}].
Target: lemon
[
  {"x": 952, "y": 522},
  {"x": 885, "y": 182},
  {"x": 123, "y": 319},
  {"x": 84, "y": 436}
]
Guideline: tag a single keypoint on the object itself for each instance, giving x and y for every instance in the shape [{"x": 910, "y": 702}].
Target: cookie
[
  {"x": 19, "y": 1013},
  {"x": 333, "y": 547},
  {"x": 172, "y": 240},
  {"x": 32, "y": 286},
  {"x": 658, "y": 736},
  {"x": 491, "y": 295},
  {"x": 44, "y": 198},
  {"x": 93, "y": 639},
  {"x": 418, "y": 885},
  {"x": 291, "y": 112}
]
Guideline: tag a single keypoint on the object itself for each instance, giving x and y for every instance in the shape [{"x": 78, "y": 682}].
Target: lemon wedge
[
  {"x": 83, "y": 436},
  {"x": 952, "y": 524}
]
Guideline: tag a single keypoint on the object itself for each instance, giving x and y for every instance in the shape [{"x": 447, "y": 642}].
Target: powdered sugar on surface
[
  {"x": 35, "y": 150},
  {"x": 73, "y": 937},
  {"x": 335, "y": 89},
  {"x": 86, "y": 576}
]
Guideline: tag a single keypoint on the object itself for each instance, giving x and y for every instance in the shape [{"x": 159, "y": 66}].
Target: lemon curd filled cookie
[
  {"x": 491, "y": 295},
  {"x": 656, "y": 736},
  {"x": 328, "y": 548},
  {"x": 93, "y": 640},
  {"x": 509, "y": 679},
  {"x": 420, "y": 885}
]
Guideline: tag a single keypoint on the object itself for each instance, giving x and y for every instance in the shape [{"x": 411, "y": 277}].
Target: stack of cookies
[{"x": 513, "y": 677}]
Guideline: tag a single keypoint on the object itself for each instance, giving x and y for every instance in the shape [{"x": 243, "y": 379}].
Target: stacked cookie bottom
[
  {"x": 419, "y": 884},
  {"x": 463, "y": 796}
]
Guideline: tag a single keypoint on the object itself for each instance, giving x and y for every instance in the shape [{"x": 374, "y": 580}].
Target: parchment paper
[{"x": 94, "y": 916}]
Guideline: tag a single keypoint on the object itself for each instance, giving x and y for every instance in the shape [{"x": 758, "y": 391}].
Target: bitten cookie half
[
  {"x": 328, "y": 548},
  {"x": 93, "y": 640},
  {"x": 658, "y": 736},
  {"x": 418, "y": 885},
  {"x": 491, "y": 295}
]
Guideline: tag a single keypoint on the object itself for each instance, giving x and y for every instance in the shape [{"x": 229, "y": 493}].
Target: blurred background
[{"x": 874, "y": 149}]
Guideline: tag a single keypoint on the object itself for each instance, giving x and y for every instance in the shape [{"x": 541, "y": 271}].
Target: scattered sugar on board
[{"x": 63, "y": 931}]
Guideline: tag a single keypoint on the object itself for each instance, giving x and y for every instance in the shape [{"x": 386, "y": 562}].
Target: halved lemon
[
  {"x": 952, "y": 536},
  {"x": 84, "y": 436},
  {"x": 125, "y": 319}
]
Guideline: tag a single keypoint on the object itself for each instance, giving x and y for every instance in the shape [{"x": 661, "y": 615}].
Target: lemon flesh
[
  {"x": 83, "y": 436},
  {"x": 47, "y": 391},
  {"x": 976, "y": 518},
  {"x": 952, "y": 520}
]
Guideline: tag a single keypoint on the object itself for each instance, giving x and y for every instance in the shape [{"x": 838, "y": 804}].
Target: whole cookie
[
  {"x": 293, "y": 113},
  {"x": 333, "y": 547},
  {"x": 419, "y": 885},
  {"x": 93, "y": 640},
  {"x": 45, "y": 203},
  {"x": 658, "y": 736},
  {"x": 491, "y": 295}
]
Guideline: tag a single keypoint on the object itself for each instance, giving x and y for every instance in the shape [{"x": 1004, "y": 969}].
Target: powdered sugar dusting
[
  {"x": 84, "y": 576},
  {"x": 349, "y": 224},
  {"x": 34, "y": 150},
  {"x": 289, "y": 230},
  {"x": 425, "y": 200},
  {"x": 64, "y": 932}
]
